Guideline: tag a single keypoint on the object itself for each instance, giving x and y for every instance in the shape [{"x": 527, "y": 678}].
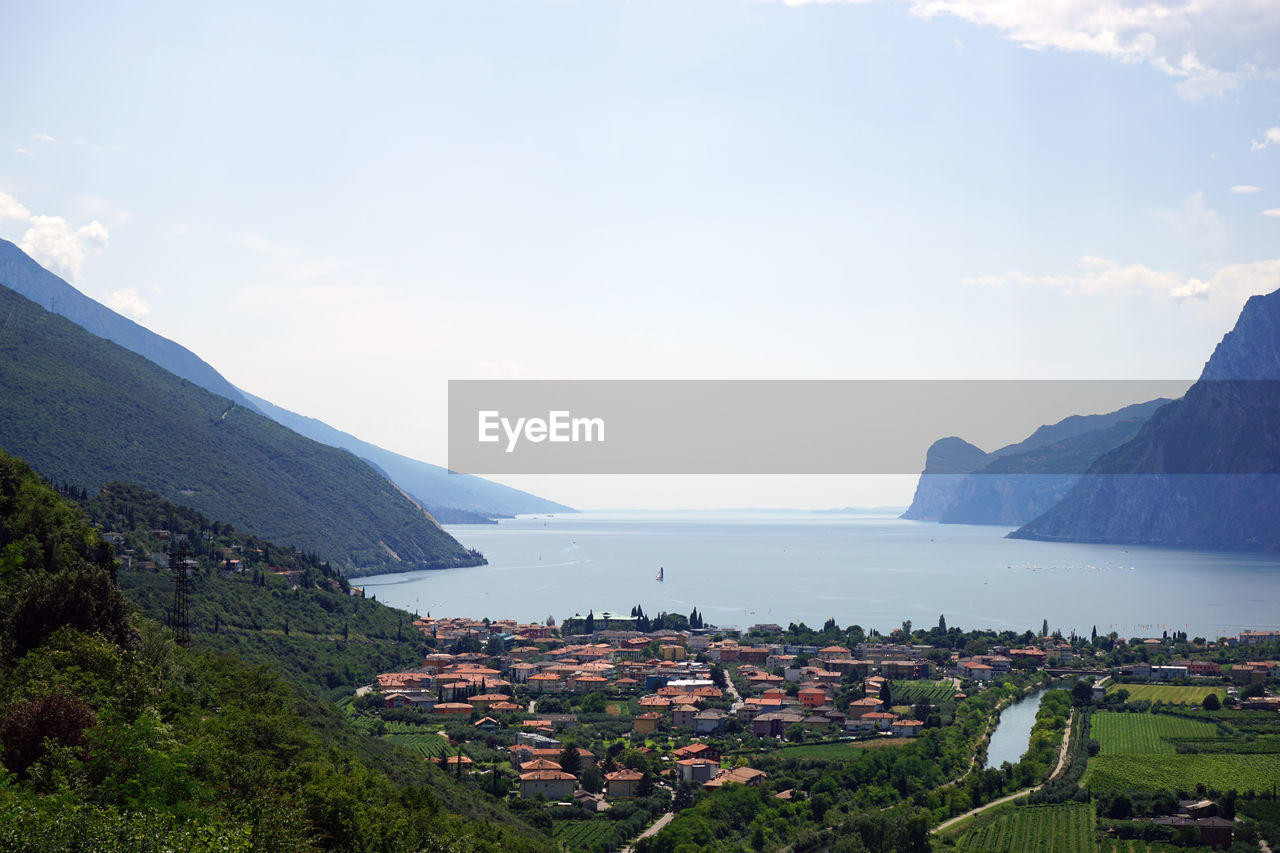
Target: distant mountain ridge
[
  {"x": 438, "y": 489},
  {"x": 1204, "y": 471},
  {"x": 963, "y": 485},
  {"x": 85, "y": 411},
  {"x": 455, "y": 497},
  {"x": 20, "y": 273}
]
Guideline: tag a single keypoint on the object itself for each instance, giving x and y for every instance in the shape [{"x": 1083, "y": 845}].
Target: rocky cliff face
[
  {"x": 1016, "y": 483},
  {"x": 1204, "y": 471},
  {"x": 946, "y": 464}
]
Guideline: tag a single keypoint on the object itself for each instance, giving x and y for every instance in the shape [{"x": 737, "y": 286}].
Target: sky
[{"x": 343, "y": 209}]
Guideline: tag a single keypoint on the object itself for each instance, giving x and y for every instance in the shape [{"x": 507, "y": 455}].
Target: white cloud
[
  {"x": 1245, "y": 189},
  {"x": 1275, "y": 212},
  {"x": 130, "y": 303},
  {"x": 11, "y": 208},
  {"x": 1210, "y": 46},
  {"x": 1271, "y": 137},
  {"x": 1099, "y": 275},
  {"x": 58, "y": 247},
  {"x": 43, "y": 137},
  {"x": 24, "y": 152}
]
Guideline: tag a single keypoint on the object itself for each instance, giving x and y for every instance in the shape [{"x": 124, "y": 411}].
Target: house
[
  {"x": 696, "y": 769},
  {"x": 545, "y": 682},
  {"x": 697, "y": 750},
  {"x": 552, "y": 784},
  {"x": 453, "y": 708},
  {"x": 1203, "y": 669},
  {"x": 737, "y": 776},
  {"x": 977, "y": 671},
  {"x": 623, "y": 784},
  {"x": 452, "y": 762},
  {"x": 683, "y": 716},
  {"x": 812, "y": 697},
  {"x": 539, "y": 764},
  {"x": 1215, "y": 831},
  {"x": 906, "y": 728},
  {"x": 859, "y": 708},
  {"x": 774, "y": 723},
  {"x": 710, "y": 722},
  {"x": 488, "y": 724},
  {"x": 647, "y": 723},
  {"x": 881, "y": 720}
]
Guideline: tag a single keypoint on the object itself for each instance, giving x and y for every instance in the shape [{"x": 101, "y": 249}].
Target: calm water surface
[
  {"x": 875, "y": 571},
  {"x": 1013, "y": 732}
]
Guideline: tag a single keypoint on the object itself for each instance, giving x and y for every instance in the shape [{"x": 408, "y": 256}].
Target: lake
[{"x": 740, "y": 569}]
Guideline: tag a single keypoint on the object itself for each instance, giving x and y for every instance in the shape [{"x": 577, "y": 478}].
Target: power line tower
[{"x": 181, "y": 624}]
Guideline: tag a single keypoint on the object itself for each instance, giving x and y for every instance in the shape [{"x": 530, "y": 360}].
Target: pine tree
[{"x": 942, "y": 624}]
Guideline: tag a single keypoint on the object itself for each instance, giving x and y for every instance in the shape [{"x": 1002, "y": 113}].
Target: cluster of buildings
[{"x": 666, "y": 677}]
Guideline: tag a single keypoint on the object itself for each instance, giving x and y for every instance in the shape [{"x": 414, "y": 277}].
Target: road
[
  {"x": 1057, "y": 770},
  {"x": 653, "y": 829}
]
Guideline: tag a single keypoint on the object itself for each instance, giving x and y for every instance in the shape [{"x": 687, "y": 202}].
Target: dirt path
[{"x": 1057, "y": 771}]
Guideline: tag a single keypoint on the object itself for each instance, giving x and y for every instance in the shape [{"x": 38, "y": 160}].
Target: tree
[
  {"x": 592, "y": 779},
  {"x": 942, "y": 624},
  {"x": 1044, "y": 628},
  {"x": 718, "y": 677},
  {"x": 590, "y": 626},
  {"x": 683, "y": 797},
  {"x": 886, "y": 695},
  {"x": 1211, "y": 702},
  {"x": 1082, "y": 692},
  {"x": 593, "y": 703},
  {"x": 570, "y": 759},
  {"x": 906, "y": 629}
]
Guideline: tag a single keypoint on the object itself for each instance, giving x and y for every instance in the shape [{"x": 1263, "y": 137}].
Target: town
[{"x": 609, "y": 726}]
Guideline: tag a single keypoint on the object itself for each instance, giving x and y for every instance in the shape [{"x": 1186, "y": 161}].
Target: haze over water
[{"x": 873, "y": 570}]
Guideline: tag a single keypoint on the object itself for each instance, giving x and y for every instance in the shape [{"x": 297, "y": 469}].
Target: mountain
[
  {"x": 85, "y": 411},
  {"x": 946, "y": 465},
  {"x": 450, "y": 497},
  {"x": 963, "y": 485},
  {"x": 1202, "y": 472}
]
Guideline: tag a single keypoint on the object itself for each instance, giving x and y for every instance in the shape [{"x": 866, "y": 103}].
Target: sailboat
[{"x": 659, "y": 573}]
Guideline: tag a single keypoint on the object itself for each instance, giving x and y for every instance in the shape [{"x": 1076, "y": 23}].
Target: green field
[
  {"x": 1182, "y": 772},
  {"x": 913, "y": 692},
  {"x": 426, "y": 744},
  {"x": 581, "y": 834},
  {"x": 1168, "y": 693},
  {"x": 1066, "y": 828},
  {"x": 1145, "y": 734}
]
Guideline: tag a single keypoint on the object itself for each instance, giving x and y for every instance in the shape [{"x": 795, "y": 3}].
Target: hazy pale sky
[{"x": 341, "y": 209}]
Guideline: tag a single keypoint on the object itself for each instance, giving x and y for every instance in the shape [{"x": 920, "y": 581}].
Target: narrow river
[{"x": 1013, "y": 731}]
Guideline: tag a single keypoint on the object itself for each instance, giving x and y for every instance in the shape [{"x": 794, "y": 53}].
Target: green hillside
[
  {"x": 266, "y": 604},
  {"x": 85, "y": 411},
  {"x": 114, "y": 738}
]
